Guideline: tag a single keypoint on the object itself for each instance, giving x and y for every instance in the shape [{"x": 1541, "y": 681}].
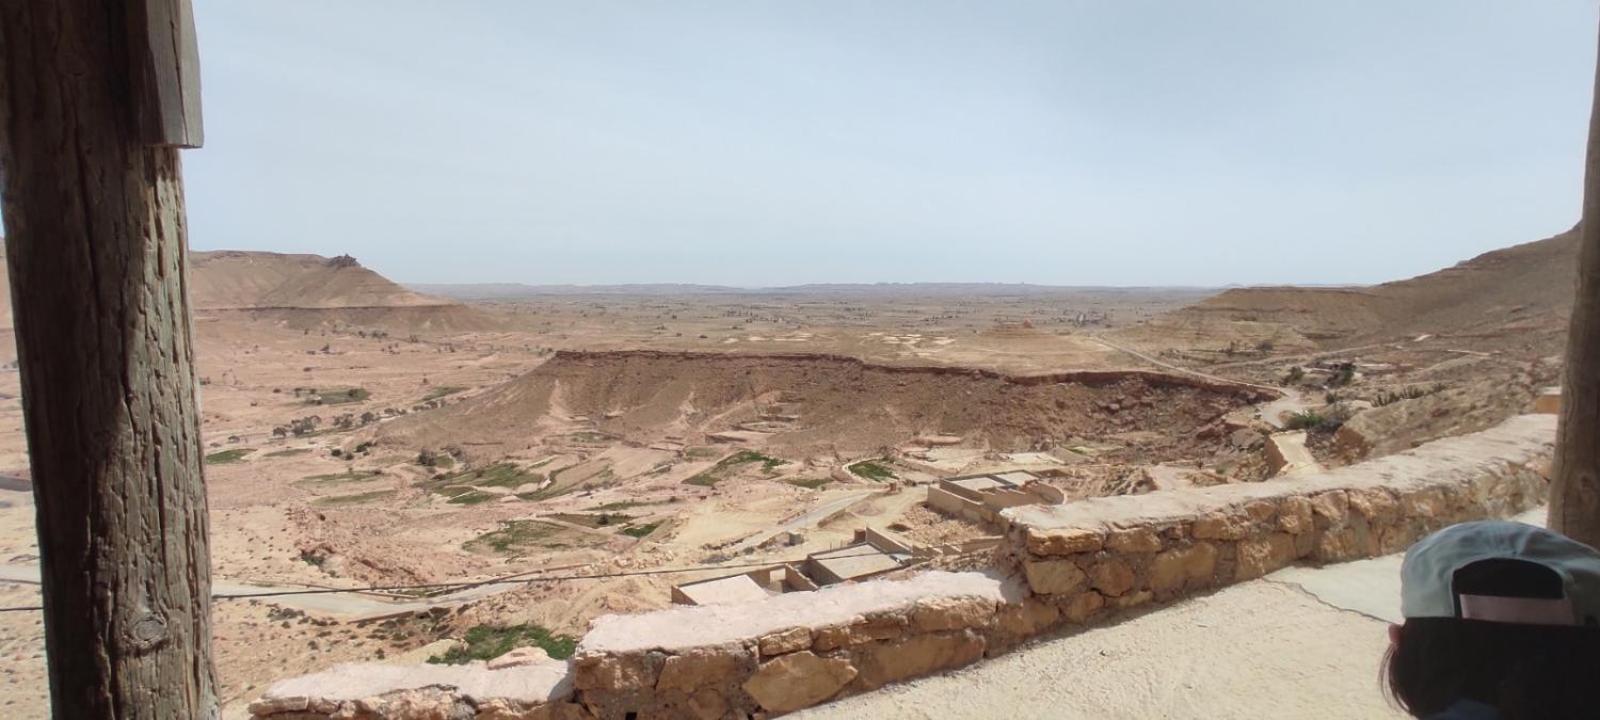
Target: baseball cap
[{"x": 1497, "y": 571}]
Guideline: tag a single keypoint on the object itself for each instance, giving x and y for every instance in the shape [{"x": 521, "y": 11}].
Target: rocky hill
[{"x": 1524, "y": 291}]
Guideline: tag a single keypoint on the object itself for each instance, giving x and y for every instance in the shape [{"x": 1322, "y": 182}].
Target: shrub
[{"x": 487, "y": 642}]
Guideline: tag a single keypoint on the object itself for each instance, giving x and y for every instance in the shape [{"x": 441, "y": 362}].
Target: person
[{"x": 1502, "y": 622}]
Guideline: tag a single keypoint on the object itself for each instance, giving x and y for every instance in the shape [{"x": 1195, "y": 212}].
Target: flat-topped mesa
[
  {"x": 1061, "y": 565},
  {"x": 838, "y": 403}
]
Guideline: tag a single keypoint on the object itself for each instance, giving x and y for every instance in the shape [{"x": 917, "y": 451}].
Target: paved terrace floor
[{"x": 1299, "y": 643}]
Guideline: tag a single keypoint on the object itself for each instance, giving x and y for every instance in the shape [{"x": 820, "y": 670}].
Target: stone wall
[
  {"x": 1130, "y": 550},
  {"x": 1060, "y": 565}
]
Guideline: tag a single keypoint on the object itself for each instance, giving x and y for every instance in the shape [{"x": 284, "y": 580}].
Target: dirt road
[
  {"x": 805, "y": 520},
  {"x": 348, "y": 606}
]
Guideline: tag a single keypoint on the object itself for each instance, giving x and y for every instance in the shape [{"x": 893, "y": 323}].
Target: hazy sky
[{"x": 752, "y": 142}]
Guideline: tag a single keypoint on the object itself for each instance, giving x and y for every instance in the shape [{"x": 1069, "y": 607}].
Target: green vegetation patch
[
  {"x": 462, "y": 487},
  {"x": 348, "y": 476},
  {"x": 809, "y": 483},
  {"x": 442, "y": 391},
  {"x": 872, "y": 470},
  {"x": 487, "y": 642},
  {"x": 597, "y": 520},
  {"x": 288, "y": 452},
  {"x": 701, "y": 453},
  {"x": 228, "y": 456},
  {"x": 356, "y": 499},
  {"x": 730, "y": 464},
  {"x": 338, "y": 396},
  {"x": 639, "y": 531},
  {"x": 518, "y": 537}
]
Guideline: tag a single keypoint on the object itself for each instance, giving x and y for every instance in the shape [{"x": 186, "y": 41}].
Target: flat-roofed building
[{"x": 980, "y": 498}]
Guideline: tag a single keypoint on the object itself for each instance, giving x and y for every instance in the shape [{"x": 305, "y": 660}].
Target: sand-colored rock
[
  {"x": 1259, "y": 556},
  {"x": 1134, "y": 540},
  {"x": 884, "y": 663},
  {"x": 614, "y": 672},
  {"x": 1221, "y": 526},
  {"x": 1054, "y": 577},
  {"x": 1083, "y": 606},
  {"x": 1375, "y": 504},
  {"x": 1112, "y": 577},
  {"x": 1069, "y": 541},
  {"x": 785, "y": 642},
  {"x": 1295, "y": 515},
  {"x": 1027, "y": 618},
  {"x": 700, "y": 668},
  {"x": 952, "y": 614},
  {"x": 798, "y": 680},
  {"x": 1192, "y": 565},
  {"x": 1332, "y": 508}
]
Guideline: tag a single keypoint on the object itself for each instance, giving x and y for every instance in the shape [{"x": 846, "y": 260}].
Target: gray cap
[{"x": 1428, "y": 575}]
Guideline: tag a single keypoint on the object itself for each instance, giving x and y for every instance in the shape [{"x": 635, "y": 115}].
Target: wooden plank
[
  {"x": 165, "y": 59},
  {"x": 1575, "y": 479},
  {"x": 96, "y": 248}
]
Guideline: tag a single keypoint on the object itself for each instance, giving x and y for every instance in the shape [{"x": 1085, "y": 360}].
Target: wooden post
[
  {"x": 1575, "y": 483},
  {"x": 96, "y": 243}
]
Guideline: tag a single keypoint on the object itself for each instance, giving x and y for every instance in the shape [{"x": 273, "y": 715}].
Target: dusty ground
[
  {"x": 421, "y": 443},
  {"x": 1262, "y": 649}
]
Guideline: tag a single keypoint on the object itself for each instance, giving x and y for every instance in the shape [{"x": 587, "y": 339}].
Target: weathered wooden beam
[
  {"x": 164, "y": 62},
  {"x": 95, "y": 242},
  {"x": 1575, "y": 481}
]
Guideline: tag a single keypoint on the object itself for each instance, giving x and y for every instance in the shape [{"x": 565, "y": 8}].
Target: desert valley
[{"x": 498, "y": 466}]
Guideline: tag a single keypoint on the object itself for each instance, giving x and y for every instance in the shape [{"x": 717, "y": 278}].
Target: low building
[
  {"x": 751, "y": 585},
  {"x": 873, "y": 553},
  {"x": 980, "y": 498}
]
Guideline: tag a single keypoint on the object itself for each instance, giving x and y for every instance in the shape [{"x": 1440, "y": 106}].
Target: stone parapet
[{"x": 1130, "y": 550}]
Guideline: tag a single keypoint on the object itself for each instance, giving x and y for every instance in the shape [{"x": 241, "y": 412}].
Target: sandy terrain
[{"x": 362, "y": 434}]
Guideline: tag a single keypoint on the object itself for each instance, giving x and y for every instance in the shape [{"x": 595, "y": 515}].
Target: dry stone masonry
[{"x": 1061, "y": 566}]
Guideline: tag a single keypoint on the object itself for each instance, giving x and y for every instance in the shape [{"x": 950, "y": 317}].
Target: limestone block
[
  {"x": 614, "y": 672},
  {"x": 952, "y": 614},
  {"x": 1339, "y": 545},
  {"x": 785, "y": 642},
  {"x": 1084, "y": 606},
  {"x": 1221, "y": 526},
  {"x": 700, "y": 668},
  {"x": 1375, "y": 504},
  {"x": 1068, "y": 541},
  {"x": 915, "y": 656},
  {"x": 1135, "y": 540},
  {"x": 1194, "y": 564},
  {"x": 1295, "y": 515},
  {"x": 1259, "y": 556},
  {"x": 798, "y": 680},
  {"x": 878, "y": 627},
  {"x": 1028, "y": 618},
  {"x": 707, "y": 704},
  {"x": 1054, "y": 577},
  {"x": 1426, "y": 504},
  {"x": 1261, "y": 510},
  {"x": 1332, "y": 508},
  {"x": 1112, "y": 577}
]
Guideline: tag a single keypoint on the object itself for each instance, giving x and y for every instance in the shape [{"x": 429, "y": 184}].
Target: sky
[{"x": 764, "y": 143}]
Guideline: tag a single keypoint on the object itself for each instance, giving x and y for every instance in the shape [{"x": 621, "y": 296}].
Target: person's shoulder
[{"x": 1466, "y": 710}]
